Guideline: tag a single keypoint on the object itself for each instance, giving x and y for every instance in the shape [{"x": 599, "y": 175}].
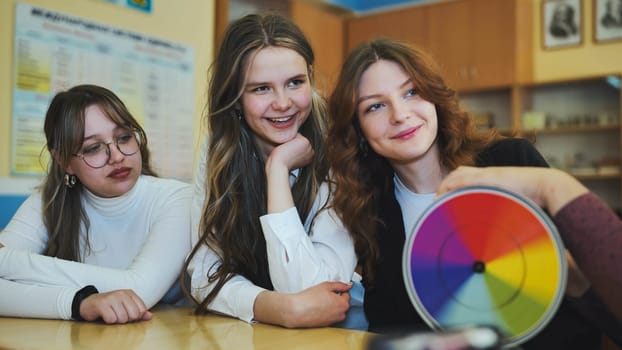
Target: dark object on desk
[
  {"x": 593, "y": 309},
  {"x": 472, "y": 338}
]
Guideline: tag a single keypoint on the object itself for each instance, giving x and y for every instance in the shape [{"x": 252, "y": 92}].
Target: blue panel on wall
[
  {"x": 143, "y": 5},
  {"x": 369, "y": 5}
]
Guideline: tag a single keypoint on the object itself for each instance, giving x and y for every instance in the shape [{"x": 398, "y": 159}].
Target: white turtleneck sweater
[{"x": 137, "y": 241}]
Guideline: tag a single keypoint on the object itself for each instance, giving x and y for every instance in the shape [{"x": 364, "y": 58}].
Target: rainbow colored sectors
[{"x": 484, "y": 256}]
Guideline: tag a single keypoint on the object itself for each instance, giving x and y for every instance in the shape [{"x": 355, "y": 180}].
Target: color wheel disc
[{"x": 485, "y": 256}]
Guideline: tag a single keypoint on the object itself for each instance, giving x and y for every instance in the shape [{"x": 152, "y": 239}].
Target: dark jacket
[{"x": 387, "y": 305}]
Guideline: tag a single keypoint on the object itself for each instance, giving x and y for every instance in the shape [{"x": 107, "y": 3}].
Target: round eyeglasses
[{"x": 97, "y": 154}]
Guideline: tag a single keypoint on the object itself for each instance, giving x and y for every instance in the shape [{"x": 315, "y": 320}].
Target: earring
[
  {"x": 363, "y": 147},
  {"x": 239, "y": 114},
  {"x": 70, "y": 180}
]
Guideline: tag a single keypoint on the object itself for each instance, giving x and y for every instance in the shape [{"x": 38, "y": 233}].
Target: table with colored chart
[{"x": 478, "y": 256}]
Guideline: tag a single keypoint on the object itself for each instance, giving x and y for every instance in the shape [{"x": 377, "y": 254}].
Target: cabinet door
[
  {"x": 474, "y": 42},
  {"x": 409, "y": 25},
  {"x": 449, "y": 40},
  {"x": 325, "y": 30},
  {"x": 493, "y": 33}
]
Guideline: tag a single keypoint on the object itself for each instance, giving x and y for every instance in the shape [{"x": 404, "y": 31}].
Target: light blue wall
[
  {"x": 9, "y": 205},
  {"x": 13, "y": 191}
]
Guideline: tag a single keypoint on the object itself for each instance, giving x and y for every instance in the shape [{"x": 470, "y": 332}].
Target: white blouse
[{"x": 297, "y": 260}]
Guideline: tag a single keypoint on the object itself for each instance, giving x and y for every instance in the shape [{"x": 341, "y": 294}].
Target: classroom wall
[
  {"x": 585, "y": 60},
  {"x": 189, "y": 22}
]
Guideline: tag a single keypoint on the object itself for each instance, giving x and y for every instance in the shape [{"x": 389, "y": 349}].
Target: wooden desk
[{"x": 172, "y": 328}]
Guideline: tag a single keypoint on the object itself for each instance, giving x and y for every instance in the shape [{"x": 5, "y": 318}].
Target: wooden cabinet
[
  {"x": 408, "y": 24},
  {"x": 575, "y": 124},
  {"x": 323, "y": 24},
  {"x": 478, "y": 44},
  {"x": 485, "y": 49},
  {"x": 449, "y": 41},
  {"x": 475, "y": 42},
  {"x": 581, "y": 131}
]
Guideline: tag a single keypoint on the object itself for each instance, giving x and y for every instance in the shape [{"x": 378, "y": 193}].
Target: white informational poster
[{"x": 154, "y": 77}]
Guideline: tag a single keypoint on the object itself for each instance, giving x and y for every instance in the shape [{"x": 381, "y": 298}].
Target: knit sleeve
[{"x": 592, "y": 232}]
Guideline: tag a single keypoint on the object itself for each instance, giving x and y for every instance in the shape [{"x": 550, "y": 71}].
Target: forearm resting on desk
[
  {"x": 318, "y": 306},
  {"x": 119, "y": 306}
]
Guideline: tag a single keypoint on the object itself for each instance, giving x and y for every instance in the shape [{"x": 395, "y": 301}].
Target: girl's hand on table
[
  {"x": 119, "y": 306},
  {"x": 321, "y": 305}
]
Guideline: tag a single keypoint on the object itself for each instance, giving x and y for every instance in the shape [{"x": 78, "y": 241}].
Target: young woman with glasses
[{"x": 103, "y": 237}]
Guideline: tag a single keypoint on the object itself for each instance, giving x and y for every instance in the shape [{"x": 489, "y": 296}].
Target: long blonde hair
[{"x": 236, "y": 182}]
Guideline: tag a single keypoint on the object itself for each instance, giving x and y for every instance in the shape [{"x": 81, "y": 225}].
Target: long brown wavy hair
[
  {"x": 236, "y": 185},
  {"x": 360, "y": 175},
  {"x": 63, "y": 213}
]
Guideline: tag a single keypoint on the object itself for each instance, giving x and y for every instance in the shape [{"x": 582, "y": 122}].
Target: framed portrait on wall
[
  {"x": 562, "y": 23},
  {"x": 607, "y": 20}
]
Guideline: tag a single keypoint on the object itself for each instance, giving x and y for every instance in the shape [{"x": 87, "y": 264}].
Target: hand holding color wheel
[{"x": 485, "y": 256}]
